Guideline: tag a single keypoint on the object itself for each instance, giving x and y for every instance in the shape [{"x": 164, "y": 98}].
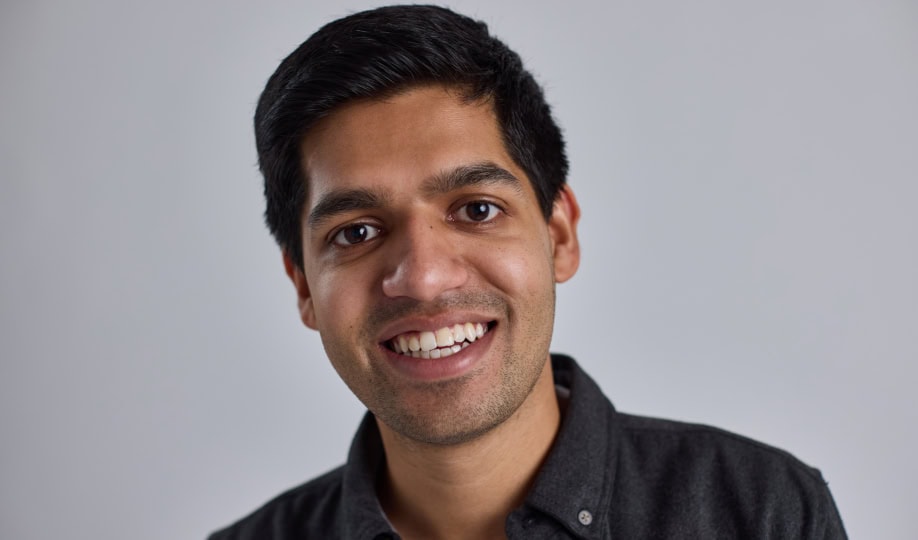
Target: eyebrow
[
  {"x": 341, "y": 201},
  {"x": 348, "y": 200},
  {"x": 476, "y": 174}
]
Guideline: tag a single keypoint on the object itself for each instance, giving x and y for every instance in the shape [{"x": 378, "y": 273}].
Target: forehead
[{"x": 405, "y": 138}]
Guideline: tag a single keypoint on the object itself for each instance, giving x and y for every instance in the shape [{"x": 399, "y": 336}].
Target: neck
[{"x": 479, "y": 482}]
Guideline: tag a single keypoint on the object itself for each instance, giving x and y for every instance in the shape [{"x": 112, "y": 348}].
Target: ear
[
  {"x": 304, "y": 299},
  {"x": 562, "y": 227}
]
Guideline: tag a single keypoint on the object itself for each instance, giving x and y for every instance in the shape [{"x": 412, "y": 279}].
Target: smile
[{"x": 438, "y": 344}]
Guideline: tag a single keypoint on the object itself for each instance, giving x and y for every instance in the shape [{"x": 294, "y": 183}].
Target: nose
[{"x": 425, "y": 261}]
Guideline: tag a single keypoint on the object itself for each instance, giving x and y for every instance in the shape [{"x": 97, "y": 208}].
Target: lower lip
[{"x": 438, "y": 369}]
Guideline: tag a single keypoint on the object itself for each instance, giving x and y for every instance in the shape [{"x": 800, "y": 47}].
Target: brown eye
[
  {"x": 478, "y": 212},
  {"x": 355, "y": 234}
]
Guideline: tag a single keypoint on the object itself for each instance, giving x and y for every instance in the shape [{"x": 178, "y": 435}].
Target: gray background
[{"x": 748, "y": 181}]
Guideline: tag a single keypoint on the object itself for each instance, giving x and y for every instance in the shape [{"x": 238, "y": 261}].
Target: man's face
[{"x": 429, "y": 269}]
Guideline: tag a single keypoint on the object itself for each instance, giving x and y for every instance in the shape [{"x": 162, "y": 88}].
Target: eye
[
  {"x": 355, "y": 234},
  {"x": 478, "y": 212}
]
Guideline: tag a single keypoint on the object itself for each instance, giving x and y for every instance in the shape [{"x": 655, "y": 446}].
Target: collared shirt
[{"x": 608, "y": 475}]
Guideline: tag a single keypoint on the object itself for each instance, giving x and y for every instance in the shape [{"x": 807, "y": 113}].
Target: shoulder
[
  {"x": 301, "y": 512},
  {"x": 668, "y": 437},
  {"x": 672, "y": 469}
]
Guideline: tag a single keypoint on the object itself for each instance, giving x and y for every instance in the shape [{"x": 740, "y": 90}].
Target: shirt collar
[
  {"x": 363, "y": 516},
  {"x": 574, "y": 485},
  {"x": 577, "y": 476}
]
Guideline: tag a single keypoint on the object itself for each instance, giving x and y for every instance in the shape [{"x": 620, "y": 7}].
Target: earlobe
[
  {"x": 562, "y": 226},
  {"x": 303, "y": 298}
]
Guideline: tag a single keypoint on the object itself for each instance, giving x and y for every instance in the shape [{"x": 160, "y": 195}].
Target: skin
[{"x": 399, "y": 236}]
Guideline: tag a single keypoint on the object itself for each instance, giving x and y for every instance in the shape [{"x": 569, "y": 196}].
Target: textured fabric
[{"x": 609, "y": 475}]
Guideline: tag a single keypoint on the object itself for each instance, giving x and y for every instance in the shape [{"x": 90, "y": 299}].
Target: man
[{"x": 415, "y": 181}]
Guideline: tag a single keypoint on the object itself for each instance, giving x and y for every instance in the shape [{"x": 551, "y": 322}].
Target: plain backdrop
[{"x": 747, "y": 174}]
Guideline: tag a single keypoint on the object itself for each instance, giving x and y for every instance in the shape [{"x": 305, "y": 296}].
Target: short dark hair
[{"x": 380, "y": 52}]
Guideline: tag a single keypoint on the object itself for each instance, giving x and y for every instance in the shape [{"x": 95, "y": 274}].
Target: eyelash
[
  {"x": 496, "y": 208},
  {"x": 351, "y": 226}
]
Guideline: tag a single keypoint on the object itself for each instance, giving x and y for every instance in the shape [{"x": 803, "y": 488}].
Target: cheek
[
  {"x": 338, "y": 299},
  {"x": 520, "y": 267}
]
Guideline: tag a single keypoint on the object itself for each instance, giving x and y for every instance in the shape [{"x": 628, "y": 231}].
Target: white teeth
[
  {"x": 459, "y": 332},
  {"x": 428, "y": 341},
  {"x": 440, "y": 343},
  {"x": 470, "y": 333},
  {"x": 444, "y": 338}
]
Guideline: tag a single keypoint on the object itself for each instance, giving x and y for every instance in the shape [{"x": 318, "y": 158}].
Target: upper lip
[{"x": 430, "y": 324}]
